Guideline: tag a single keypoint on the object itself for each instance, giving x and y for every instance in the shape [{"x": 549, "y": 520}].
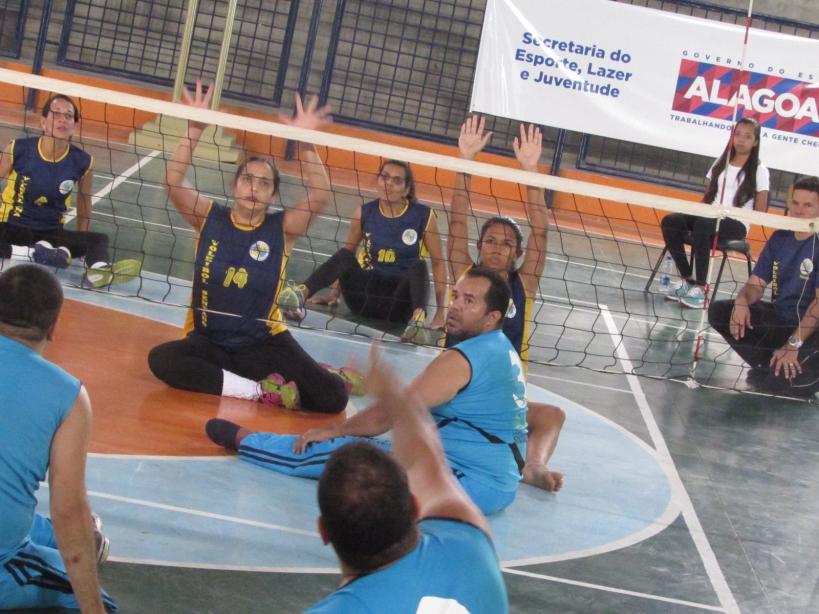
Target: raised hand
[
  {"x": 528, "y": 147},
  {"x": 310, "y": 117},
  {"x": 473, "y": 138},
  {"x": 200, "y": 100}
]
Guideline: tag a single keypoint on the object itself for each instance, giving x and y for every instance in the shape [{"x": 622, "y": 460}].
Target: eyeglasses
[
  {"x": 67, "y": 116},
  {"x": 395, "y": 180}
]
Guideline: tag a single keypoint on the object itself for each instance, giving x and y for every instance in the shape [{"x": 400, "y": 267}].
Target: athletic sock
[{"x": 239, "y": 387}]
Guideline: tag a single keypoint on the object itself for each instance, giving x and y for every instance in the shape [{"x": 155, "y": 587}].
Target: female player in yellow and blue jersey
[{"x": 236, "y": 343}]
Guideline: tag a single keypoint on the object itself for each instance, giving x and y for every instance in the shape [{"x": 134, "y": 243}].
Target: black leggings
[
  {"x": 759, "y": 343},
  {"x": 92, "y": 245},
  {"x": 195, "y": 363},
  {"x": 702, "y": 229},
  {"x": 370, "y": 293}
]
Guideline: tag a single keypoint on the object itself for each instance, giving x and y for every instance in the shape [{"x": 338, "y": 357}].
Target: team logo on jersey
[
  {"x": 806, "y": 268},
  {"x": 41, "y": 201},
  {"x": 66, "y": 187},
  {"x": 512, "y": 311},
  {"x": 410, "y": 237},
  {"x": 259, "y": 251}
]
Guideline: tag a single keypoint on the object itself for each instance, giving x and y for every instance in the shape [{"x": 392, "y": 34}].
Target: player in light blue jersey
[
  {"x": 45, "y": 423},
  {"x": 407, "y": 537},
  {"x": 475, "y": 391}
]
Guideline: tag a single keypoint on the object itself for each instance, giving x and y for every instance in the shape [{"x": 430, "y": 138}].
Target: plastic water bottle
[{"x": 664, "y": 282}]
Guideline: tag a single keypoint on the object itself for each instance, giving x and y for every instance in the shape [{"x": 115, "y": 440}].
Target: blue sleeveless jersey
[
  {"x": 492, "y": 407},
  {"x": 238, "y": 271},
  {"x": 35, "y": 396},
  {"x": 39, "y": 191},
  {"x": 453, "y": 563},
  {"x": 392, "y": 244}
]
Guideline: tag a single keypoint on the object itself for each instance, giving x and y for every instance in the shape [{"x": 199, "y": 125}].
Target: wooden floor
[{"x": 134, "y": 413}]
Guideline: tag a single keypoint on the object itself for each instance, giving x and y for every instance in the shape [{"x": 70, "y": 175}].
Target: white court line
[
  {"x": 709, "y": 559},
  {"x": 115, "y": 182},
  {"x": 200, "y": 513},
  {"x": 619, "y": 591},
  {"x": 579, "y": 383}
]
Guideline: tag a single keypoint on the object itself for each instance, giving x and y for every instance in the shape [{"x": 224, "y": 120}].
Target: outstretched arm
[
  {"x": 432, "y": 240},
  {"x": 471, "y": 141},
  {"x": 6, "y": 158},
  {"x": 70, "y": 512},
  {"x": 528, "y": 147},
  {"x": 418, "y": 449},
  {"x": 297, "y": 220},
  {"x": 186, "y": 198},
  {"x": 84, "y": 199}
]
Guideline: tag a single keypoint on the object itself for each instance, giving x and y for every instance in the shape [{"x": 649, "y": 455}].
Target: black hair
[
  {"x": 747, "y": 188},
  {"x": 499, "y": 294},
  {"x": 504, "y": 221},
  {"x": 811, "y": 184},
  {"x": 30, "y": 301},
  {"x": 409, "y": 178},
  {"x": 266, "y": 160},
  {"x": 53, "y": 97},
  {"x": 366, "y": 506}
]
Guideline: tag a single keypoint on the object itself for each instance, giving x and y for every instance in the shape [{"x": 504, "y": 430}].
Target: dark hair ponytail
[{"x": 747, "y": 188}]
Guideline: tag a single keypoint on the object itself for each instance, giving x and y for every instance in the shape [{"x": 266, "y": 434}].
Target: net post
[{"x": 163, "y": 132}]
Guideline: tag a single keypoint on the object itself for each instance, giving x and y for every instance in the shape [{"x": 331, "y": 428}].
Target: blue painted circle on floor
[{"x": 225, "y": 513}]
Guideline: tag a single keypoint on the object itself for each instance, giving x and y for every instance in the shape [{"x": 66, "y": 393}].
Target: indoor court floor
[{"x": 677, "y": 498}]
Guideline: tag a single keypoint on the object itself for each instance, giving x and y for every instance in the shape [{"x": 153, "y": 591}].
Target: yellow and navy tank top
[
  {"x": 392, "y": 244},
  {"x": 39, "y": 191},
  {"x": 237, "y": 278}
]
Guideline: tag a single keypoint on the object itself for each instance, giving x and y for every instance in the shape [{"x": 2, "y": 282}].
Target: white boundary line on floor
[
  {"x": 709, "y": 559},
  {"x": 609, "y": 589},
  {"x": 115, "y": 183}
]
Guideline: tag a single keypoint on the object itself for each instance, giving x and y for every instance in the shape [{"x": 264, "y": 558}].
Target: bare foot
[{"x": 540, "y": 477}]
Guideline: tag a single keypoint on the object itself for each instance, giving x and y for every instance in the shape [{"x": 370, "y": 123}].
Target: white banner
[{"x": 648, "y": 76}]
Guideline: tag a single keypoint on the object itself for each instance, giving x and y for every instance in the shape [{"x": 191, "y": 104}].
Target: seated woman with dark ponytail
[
  {"x": 740, "y": 180},
  {"x": 388, "y": 279}
]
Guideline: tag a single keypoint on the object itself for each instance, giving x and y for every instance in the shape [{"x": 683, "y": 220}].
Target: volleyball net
[{"x": 593, "y": 309}]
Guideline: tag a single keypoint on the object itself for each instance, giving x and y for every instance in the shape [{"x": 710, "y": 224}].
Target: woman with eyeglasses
[
  {"x": 236, "y": 343},
  {"x": 45, "y": 176},
  {"x": 388, "y": 279}
]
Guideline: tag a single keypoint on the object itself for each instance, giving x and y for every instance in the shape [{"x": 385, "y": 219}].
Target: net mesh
[{"x": 592, "y": 309}]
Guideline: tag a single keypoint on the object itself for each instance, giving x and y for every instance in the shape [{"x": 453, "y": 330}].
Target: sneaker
[
  {"x": 101, "y": 274},
  {"x": 102, "y": 543},
  {"x": 222, "y": 432},
  {"x": 679, "y": 292},
  {"x": 694, "y": 298},
  {"x": 47, "y": 254},
  {"x": 291, "y": 301},
  {"x": 415, "y": 331},
  {"x": 353, "y": 380},
  {"x": 276, "y": 391}
]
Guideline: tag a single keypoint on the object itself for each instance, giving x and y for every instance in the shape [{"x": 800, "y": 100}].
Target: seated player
[
  {"x": 777, "y": 339},
  {"x": 44, "y": 174},
  {"x": 499, "y": 247},
  {"x": 389, "y": 280},
  {"x": 475, "y": 391},
  {"x": 236, "y": 344},
  {"x": 45, "y": 424},
  {"x": 740, "y": 180},
  {"x": 407, "y": 537}
]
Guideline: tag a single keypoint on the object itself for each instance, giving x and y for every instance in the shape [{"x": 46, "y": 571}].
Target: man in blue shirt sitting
[
  {"x": 45, "y": 424},
  {"x": 407, "y": 537},
  {"x": 777, "y": 338}
]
